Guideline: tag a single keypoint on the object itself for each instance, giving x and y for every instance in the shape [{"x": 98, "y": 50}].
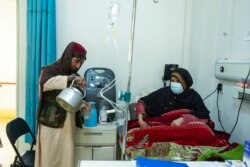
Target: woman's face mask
[{"x": 176, "y": 87}]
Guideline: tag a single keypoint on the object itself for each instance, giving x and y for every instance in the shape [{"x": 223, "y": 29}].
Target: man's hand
[
  {"x": 85, "y": 107},
  {"x": 80, "y": 82}
]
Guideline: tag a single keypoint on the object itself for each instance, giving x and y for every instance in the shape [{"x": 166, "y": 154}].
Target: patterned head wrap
[{"x": 183, "y": 76}]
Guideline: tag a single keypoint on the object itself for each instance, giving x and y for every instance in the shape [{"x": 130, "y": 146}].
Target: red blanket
[{"x": 160, "y": 130}]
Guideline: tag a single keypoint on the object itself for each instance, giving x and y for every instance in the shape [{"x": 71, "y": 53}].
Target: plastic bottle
[
  {"x": 113, "y": 12},
  {"x": 91, "y": 120},
  {"x": 103, "y": 118}
]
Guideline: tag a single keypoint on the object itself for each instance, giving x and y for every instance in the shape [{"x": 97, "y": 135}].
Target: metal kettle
[{"x": 71, "y": 98}]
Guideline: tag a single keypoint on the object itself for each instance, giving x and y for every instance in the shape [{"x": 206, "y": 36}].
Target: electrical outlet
[{"x": 219, "y": 88}]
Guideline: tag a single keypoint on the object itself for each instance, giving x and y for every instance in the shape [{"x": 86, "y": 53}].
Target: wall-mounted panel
[{"x": 232, "y": 69}]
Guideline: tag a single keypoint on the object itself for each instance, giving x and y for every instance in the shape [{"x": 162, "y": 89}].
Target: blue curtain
[{"x": 41, "y": 51}]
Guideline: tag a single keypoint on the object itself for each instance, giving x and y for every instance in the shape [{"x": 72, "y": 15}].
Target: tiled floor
[{"x": 7, "y": 153}]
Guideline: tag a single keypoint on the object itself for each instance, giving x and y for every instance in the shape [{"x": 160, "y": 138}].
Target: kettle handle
[
  {"x": 72, "y": 83},
  {"x": 83, "y": 90}
]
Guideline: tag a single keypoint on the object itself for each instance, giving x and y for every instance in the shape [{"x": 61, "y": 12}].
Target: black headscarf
[{"x": 164, "y": 100}]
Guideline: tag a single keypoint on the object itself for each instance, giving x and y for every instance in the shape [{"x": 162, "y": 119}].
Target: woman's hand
[
  {"x": 177, "y": 122},
  {"x": 141, "y": 122}
]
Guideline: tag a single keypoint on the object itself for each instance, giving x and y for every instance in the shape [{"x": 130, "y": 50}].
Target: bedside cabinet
[{"x": 95, "y": 143}]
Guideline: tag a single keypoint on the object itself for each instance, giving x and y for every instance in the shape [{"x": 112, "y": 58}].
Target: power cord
[
  {"x": 243, "y": 96},
  {"x": 218, "y": 89},
  {"x": 219, "y": 112}
]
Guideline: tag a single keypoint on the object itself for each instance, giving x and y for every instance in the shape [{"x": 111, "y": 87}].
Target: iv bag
[{"x": 113, "y": 12}]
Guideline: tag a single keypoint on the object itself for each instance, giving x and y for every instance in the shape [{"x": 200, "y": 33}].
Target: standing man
[{"x": 55, "y": 136}]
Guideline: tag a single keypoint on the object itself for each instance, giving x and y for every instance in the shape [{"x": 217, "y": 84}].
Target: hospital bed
[{"x": 188, "y": 143}]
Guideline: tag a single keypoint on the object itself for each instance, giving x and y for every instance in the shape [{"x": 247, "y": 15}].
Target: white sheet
[{"x": 92, "y": 163}]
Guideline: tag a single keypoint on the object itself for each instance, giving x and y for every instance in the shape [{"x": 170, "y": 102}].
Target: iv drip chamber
[{"x": 113, "y": 12}]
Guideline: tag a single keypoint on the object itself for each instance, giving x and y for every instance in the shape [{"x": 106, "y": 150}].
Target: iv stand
[{"x": 130, "y": 56}]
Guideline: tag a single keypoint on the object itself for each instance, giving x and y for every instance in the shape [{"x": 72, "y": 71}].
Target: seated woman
[
  {"x": 178, "y": 95},
  {"x": 173, "y": 114}
]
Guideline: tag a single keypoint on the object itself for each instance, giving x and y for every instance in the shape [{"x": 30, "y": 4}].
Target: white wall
[
  {"x": 7, "y": 44},
  {"x": 236, "y": 48},
  {"x": 172, "y": 31},
  {"x": 203, "y": 45},
  {"x": 212, "y": 19},
  {"x": 86, "y": 22},
  {"x": 21, "y": 63},
  {"x": 158, "y": 40},
  {"x": 8, "y": 54}
]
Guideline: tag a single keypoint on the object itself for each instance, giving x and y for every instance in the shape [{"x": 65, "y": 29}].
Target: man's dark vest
[{"x": 51, "y": 114}]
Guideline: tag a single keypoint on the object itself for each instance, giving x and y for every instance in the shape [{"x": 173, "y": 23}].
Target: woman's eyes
[{"x": 173, "y": 80}]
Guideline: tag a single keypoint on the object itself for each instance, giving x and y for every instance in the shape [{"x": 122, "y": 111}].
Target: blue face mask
[{"x": 176, "y": 87}]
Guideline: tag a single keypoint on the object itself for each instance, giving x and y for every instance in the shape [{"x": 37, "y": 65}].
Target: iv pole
[{"x": 130, "y": 58}]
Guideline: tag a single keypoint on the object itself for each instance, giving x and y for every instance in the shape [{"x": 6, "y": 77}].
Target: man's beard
[{"x": 74, "y": 71}]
